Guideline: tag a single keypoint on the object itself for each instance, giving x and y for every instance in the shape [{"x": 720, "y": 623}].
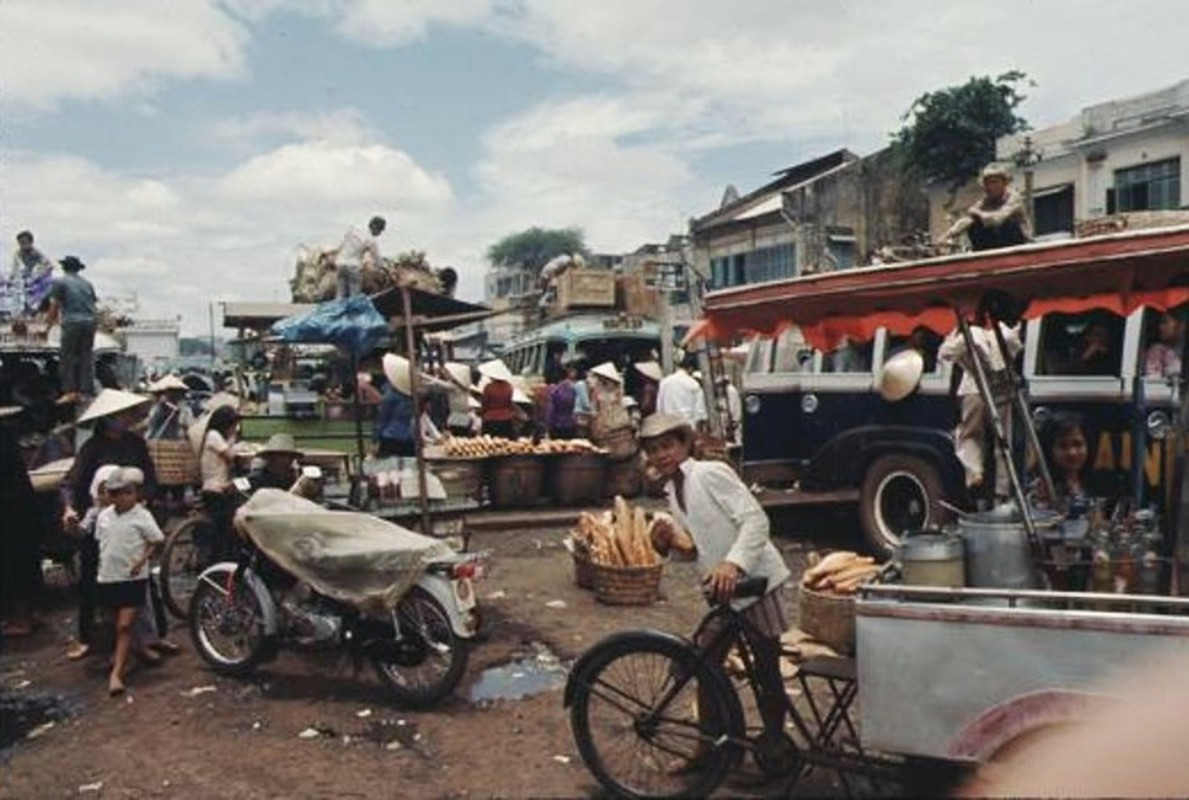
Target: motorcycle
[{"x": 318, "y": 579}]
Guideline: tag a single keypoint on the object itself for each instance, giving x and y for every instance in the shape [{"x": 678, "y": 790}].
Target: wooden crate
[
  {"x": 586, "y": 288},
  {"x": 636, "y": 298}
]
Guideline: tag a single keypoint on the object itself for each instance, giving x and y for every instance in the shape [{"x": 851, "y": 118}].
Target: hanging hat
[
  {"x": 167, "y": 384},
  {"x": 396, "y": 369},
  {"x": 459, "y": 373},
  {"x": 607, "y": 370},
  {"x": 661, "y": 423},
  {"x": 900, "y": 375},
  {"x": 111, "y": 401},
  {"x": 650, "y": 370},
  {"x": 280, "y": 444},
  {"x": 496, "y": 369},
  {"x": 197, "y": 431}
]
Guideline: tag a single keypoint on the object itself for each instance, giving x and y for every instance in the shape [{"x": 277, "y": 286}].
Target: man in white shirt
[
  {"x": 681, "y": 394},
  {"x": 357, "y": 247}
]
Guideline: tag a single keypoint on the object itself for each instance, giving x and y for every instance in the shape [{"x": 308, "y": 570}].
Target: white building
[
  {"x": 1114, "y": 157},
  {"x": 153, "y": 341}
]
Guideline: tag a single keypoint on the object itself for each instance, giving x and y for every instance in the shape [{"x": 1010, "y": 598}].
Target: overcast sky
[{"x": 184, "y": 149}]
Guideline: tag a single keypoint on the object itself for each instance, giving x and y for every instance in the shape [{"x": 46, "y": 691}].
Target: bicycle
[
  {"x": 635, "y": 720},
  {"x": 189, "y": 549}
]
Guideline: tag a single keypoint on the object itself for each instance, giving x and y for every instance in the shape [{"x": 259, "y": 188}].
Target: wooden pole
[{"x": 414, "y": 387}]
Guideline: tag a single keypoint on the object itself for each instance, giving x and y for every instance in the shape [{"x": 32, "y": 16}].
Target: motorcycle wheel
[
  {"x": 435, "y": 656},
  {"x": 227, "y": 624},
  {"x": 186, "y": 554}
]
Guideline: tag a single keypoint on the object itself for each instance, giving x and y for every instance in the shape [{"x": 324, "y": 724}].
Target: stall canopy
[
  {"x": 429, "y": 311},
  {"x": 1118, "y": 273}
]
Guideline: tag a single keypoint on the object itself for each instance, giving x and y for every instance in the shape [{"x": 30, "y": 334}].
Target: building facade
[
  {"x": 1115, "y": 157},
  {"x": 826, "y": 214}
]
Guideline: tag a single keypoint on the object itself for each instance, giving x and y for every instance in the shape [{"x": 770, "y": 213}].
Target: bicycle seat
[{"x": 754, "y": 586}]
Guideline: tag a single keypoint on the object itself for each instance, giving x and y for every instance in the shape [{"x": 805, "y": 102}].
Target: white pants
[{"x": 970, "y": 438}]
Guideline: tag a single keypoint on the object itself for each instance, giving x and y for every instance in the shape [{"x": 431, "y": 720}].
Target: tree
[
  {"x": 533, "y": 248},
  {"x": 949, "y": 135}
]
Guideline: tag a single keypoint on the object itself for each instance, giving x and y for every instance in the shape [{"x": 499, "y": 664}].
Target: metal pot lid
[{"x": 931, "y": 547}]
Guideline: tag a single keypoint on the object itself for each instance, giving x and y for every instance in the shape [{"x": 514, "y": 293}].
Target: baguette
[{"x": 834, "y": 562}]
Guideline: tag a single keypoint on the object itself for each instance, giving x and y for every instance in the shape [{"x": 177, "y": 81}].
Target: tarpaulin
[
  {"x": 349, "y": 556},
  {"x": 353, "y": 323}
]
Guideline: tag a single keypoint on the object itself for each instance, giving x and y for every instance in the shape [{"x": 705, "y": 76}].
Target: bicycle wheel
[
  {"x": 636, "y": 721},
  {"x": 188, "y": 551}
]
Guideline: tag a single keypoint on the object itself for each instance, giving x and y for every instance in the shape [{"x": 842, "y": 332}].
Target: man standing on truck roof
[
  {"x": 997, "y": 220},
  {"x": 73, "y": 302},
  {"x": 357, "y": 247}
]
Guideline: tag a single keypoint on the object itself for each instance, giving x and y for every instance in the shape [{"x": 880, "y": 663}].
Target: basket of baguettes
[
  {"x": 827, "y": 597},
  {"x": 614, "y": 554}
]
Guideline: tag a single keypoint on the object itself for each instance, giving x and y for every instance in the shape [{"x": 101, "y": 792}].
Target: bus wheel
[{"x": 899, "y": 494}]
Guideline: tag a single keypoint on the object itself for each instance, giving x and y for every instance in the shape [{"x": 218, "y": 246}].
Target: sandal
[{"x": 80, "y": 651}]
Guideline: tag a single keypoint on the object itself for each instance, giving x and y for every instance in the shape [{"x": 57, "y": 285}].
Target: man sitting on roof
[{"x": 999, "y": 219}]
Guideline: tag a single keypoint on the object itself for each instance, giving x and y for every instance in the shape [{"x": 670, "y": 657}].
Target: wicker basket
[
  {"x": 627, "y": 586},
  {"x": 829, "y": 618},
  {"x": 174, "y": 462},
  {"x": 584, "y": 570}
]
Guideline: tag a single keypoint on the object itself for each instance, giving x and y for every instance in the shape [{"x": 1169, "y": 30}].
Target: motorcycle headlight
[
  {"x": 1158, "y": 425},
  {"x": 751, "y": 404}
]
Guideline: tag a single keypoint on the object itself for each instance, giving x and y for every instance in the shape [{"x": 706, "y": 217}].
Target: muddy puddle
[
  {"x": 27, "y": 715},
  {"x": 539, "y": 670}
]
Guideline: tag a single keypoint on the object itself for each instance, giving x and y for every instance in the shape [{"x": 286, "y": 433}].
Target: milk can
[{"x": 932, "y": 559}]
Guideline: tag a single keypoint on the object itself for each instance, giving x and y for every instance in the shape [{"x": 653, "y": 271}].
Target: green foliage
[
  {"x": 949, "y": 135},
  {"x": 533, "y": 248}
]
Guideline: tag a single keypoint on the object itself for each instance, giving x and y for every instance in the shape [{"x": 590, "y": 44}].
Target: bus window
[
  {"x": 924, "y": 341},
  {"x": 1163, "y": 334},
  {"x": 793, "y": 353},
  {"x": 759, "y": 357},
  {"x": 1081, "y": 344},
  {"x": 849, "y": 356}
]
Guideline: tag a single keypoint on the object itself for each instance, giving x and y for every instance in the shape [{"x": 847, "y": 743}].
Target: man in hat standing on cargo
[
  {"x": 73, "y": 301},
  {"x": 999, "y": 219},
  {"x": 357, "y": 248}
]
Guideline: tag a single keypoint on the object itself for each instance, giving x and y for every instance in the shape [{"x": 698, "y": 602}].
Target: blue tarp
[{"x": 352, "y": 322}]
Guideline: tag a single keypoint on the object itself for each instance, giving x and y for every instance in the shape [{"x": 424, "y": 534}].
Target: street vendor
[
  {"x": 170, "y": 417},
  {"x": 498, "y": 409},
  {"x": 610, "y": 416},
  {"x": 394, "y": 416},
  {"x": 999, "y": 219},
  {"x": 731, "y": 535},
  {"x": 459, "y": 421}
]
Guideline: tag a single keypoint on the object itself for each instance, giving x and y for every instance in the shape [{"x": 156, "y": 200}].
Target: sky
[{"x": 186, "y": 150}]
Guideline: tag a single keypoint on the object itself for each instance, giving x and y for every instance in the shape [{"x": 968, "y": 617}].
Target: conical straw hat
[
  {"x": 496, "y": 369},
  {"x": 607, "y": 370},
  {"x": 197, "y": 431},
  {"x": 396, "y": 369},
  {"x": 459, "y": 373},
  {"x": 900, "y": 375},
  {"x": 650, "y": 370},
  {"x": 111, "y": 401}
]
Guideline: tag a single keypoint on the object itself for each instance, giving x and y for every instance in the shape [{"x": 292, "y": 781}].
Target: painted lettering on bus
[{"x": 1108, "y": 459}]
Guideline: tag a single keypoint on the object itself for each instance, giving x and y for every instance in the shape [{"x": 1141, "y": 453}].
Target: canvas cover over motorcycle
[{"x": 349, "y": 556}]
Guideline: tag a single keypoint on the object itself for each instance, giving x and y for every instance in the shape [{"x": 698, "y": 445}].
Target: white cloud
[
  {"x": 183, "y": 240},
  {"x": 340, "y": 126},
  {"x": 59, "y": 49},
  {"x": 382, "y": 22}
]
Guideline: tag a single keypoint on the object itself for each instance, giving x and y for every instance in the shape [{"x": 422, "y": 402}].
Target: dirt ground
[{"x": 183, "y": 732}]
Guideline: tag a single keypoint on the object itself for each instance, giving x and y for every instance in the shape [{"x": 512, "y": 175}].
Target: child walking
[
  {"x": 128, "y": 535},
  {"x": 88, "y": 548}
]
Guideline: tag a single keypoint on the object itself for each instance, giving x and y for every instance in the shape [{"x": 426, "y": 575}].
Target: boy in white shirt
[{"x": 128, "y": 536}]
